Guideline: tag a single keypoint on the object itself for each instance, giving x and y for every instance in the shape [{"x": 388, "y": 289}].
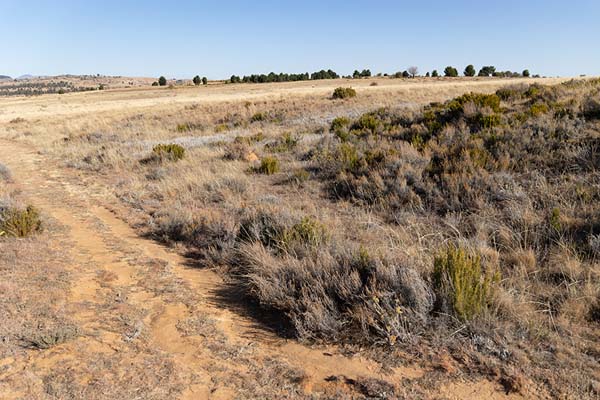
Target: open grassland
[{"x": 427, "y": 238}]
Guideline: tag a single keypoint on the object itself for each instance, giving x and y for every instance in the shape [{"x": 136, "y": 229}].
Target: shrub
[
  {"x": 170, "y": 152},
  {"x": 162, "y": 81},
  {"x": 249, "y": 139},
  {"x": 538, "y": 109},
  {"x": 343, "y": 93},
  {"x": 205, "y": 81},
  {"x": 457, "y": 104},
  {"x": 489, "y": 121},
  {"x": 197, "y": 80},
  {"x": 308, "y": 232},
  {"x": 339, "y": 123},
  {"x": 19, "y": 223},
  {"x": 286, "y": 143},
  {"x": 526, "y": 73},
  {"x": 268, "y": 166},
  {"x": 258, "y": 117},
  {"x": 434, "y": 73},
  {"x": 460, "y": 283}
]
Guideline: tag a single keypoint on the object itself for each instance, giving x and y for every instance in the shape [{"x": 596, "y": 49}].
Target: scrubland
[{"x": 452, "y": 225}]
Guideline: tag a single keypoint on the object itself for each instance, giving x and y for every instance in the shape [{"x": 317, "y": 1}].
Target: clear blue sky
[{"x": 219, "y": 38}]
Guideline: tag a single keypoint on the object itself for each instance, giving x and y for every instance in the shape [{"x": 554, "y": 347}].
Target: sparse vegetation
[
  {"x": 462, "y": 232},
  {"x": 343, "y": 93}
]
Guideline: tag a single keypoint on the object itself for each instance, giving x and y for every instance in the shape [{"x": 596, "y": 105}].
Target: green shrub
[
  {"x": 300, "y": 176},
  {"x": 308, "y": 232},
  {"x": 489, "y": 121},
  {"x": 19, "y": 223},
  {"x": 460, "y": 283},
  {"x": 339, "y": 123},
  {"x": 197, "y": 80},
  {"x": 162, "y": 81},
  {"x": 347, "y": 156},
  {"x": 286, "y": 143},
  {"x": 344, "y": 93},
  {"x": 249, "y": 139},
  {"x": 367, "y": 122},
  {"x": 258, "y": 117},
  {"x": 538, "y": 109},
  {"x": 268, "y": 166},
  {"x": 171, "y": 152},
  {"x": 457, "y": 104},
  {"x": 183, "y": 128},
  {"x": 508, "y": 94},
  {"x": 554, "y": 219}
]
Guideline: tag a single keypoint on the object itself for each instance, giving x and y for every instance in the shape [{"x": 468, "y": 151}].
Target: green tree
[
  {"x": 487, "y": 70},
  {"x": 162, "y": 81},
  {"x": 450, "y": 72},
  {"x": 470, "y": 70},
  {"x": 196, "y": 80},
  {"x": 434, "y": 73},
  {"x": 204, "y": 81},
  {"x": 526, "y": 73}
]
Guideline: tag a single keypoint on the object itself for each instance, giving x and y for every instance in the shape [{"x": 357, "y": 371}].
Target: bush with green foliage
[
  {"x": 460, "y": 283},
  {"x": 339, "y": 123},
  {"x": 205, "y": 81},
  {"x": 434, "y": 73},
  {"x": 258, "y": 117},
  {"x": 20, "y": 223},
  {"x": 343, "y": 93},
  {"x": 162, "y": 81},
  {"x": 268, "y": 166},
  {"x": 526, "y": 73},
  {"x": 169, "y": 152},
  {"x": 197, "y": 80}
]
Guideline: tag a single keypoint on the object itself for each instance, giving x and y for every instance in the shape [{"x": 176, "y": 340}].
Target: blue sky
[{"x": 219, "y": 38}]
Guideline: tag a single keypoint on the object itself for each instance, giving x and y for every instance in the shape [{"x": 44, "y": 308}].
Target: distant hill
[
  {"x": 5, "y": 77},
  {"x": 26, "y": 76}
]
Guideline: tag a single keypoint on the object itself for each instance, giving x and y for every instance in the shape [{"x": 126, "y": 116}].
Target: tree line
[
  {"x": 411, "y": 72},
  {"x": 284, "y": 77}
]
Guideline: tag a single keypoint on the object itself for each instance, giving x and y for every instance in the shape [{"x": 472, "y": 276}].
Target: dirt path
[{"x": 137, "y": 302}]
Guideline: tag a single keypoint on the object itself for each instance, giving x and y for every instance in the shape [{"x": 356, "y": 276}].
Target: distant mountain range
[{"x": 4, "y": 77}]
